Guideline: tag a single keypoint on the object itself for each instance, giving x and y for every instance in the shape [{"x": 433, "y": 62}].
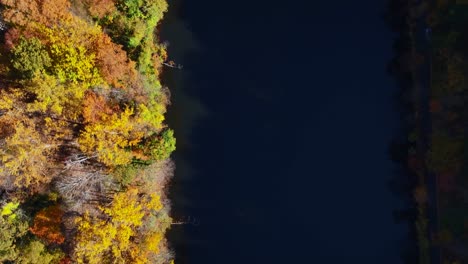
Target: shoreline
[
  {"x": 182, "y": 115},
  {"x": 407, "y": 68}
]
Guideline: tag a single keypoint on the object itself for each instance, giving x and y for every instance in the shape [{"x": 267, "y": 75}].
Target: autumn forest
[{"x": 84, "y": 150}]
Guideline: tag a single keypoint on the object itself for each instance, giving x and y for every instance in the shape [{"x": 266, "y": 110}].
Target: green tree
[
  {"x": 12, "y": 228},
  {"x": 135, "y": 25},
  {"x": 160, "y": 147},
  {"x": 35, "y": 252},
  {"x": 29, "y": 57}
]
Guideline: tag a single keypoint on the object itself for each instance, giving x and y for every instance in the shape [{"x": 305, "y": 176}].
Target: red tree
[{"x": 47, "y": 224}]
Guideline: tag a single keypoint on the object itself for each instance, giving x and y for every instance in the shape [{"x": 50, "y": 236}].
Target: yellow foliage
[
  {"x": 72, "y": 71},
  {"x": 154, "y": 202},
  {"x": 24, "y": 155},
  {"x": 126, "y": 209},
  {"x": 9, "y": 99},
  {"x": 152, "y": 115},
  {"x": 112, "y": 138},
  {"x": 94, "y": 239},
  {"x": 9, "y": 208},
  {"x": 72, "y": 30},
  {"x": 98, "y": 238},
  {"x": 50, "y": 94},
  {"x": 152, "y": 242},
  {"x": 56, "y": 129},
  {"x": 55, "y": 96},
  {"x": 109, "y": 138},
  {"x": 53, "y": 103},
  {"x": 150, "y": 246},
  {"x": 67, "y": 44},
  {"x": 72, "y": 63}
]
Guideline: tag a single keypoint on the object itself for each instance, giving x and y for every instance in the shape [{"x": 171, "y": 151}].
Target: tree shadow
[{"x": 404, "y": 180}]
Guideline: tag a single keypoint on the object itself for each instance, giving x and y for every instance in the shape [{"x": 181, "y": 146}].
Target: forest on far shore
[
  {"x": 434, "y": 102},
  {"x": 84, "y": 149}
]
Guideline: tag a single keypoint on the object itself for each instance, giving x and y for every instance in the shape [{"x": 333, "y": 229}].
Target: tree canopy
[{"x": 82, "y": 106}]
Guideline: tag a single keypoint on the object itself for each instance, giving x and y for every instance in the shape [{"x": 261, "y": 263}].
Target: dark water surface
[{"x": 283, "y": 114}]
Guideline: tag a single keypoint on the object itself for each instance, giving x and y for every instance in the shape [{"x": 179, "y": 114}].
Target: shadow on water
[
  {"x": 404, "y": 179},
  {"x": 182, "y": 116}
]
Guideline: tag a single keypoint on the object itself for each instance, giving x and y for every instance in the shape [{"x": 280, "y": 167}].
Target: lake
[{"x": 283, "y": 114}]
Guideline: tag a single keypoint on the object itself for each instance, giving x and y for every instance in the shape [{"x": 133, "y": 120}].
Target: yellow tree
[
  {"x": 61, "y": 88},
  {"x": 113, "y": 236},
  {"x": 152, "y": 114},
  {"x": 116, "y": 134},
  {"x": 25, "y": 157},
  {"x": 141, "y": 253},
  {"x": 69, "y": 46},
  {"x": 54, "y": 96},
  {"x": 24, "y": 154},
  {"x": 110, "y": 138},
  {"x": 147, "y": 243}
]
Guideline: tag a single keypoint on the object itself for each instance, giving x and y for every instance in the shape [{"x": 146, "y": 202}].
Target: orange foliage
[
  {"x": 47, "y": 224},
  {"x": 100, "y": 8},
  {"x": 65, "y": 260},
  {"x": 47, "y": 12},
  {"x": 47, "y": 19},
  {"x": 95, "y": 108},
  {"x": 27, "y": 15},
  {"x": 11, "y": 38},
  {"x": 112, "y": 62},
  {"x": 13, "y": 35},
  {"x": 7, "y": 127}
]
